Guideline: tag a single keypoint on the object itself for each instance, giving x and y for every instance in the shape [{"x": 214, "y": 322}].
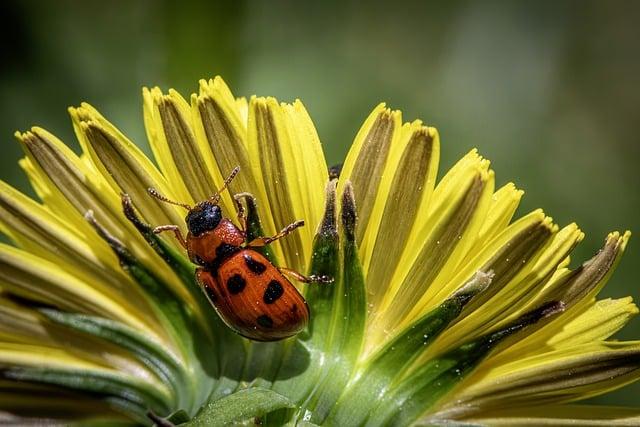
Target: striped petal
[
  {"x": 366, "y": 161},
  {"x": 37, "y": 279},
  {"x": 598, "y": 322},
  {"x": 577, "y": 288},
  {"x": 518, "y": 275},
  {"x": 503, "y": 206},
  {"x": 558, "y": 376},
  {"x": 73, "y": 188},
  {"x": 407, "y": 203},
  {"x": 287, "y": 174},
  {"x": 38, "y": 231},
  {"x": 453, "y": 221},
  {"x": 185, "y": 159},
  {"x": 24, "y": 326},
  {"x": 556, "y": 415},
  {"x": 123, "y": 164},
  {"x": 221, "y": 128}
]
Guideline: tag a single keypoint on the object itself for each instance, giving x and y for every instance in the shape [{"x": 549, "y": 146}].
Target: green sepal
[
  {"x": 349, "y": 314},
  {"x": 136, "y": 395},
  {"x": 179, "y": 264},
  {"x": 422, "y": 389},
  {"x": 165, "y": 365},
  {"x": 307, "y": 353},
  {"x": 390, "y": 362},
  {"x": 254, "y": 226},
  {"x": 240, "y": 406}
]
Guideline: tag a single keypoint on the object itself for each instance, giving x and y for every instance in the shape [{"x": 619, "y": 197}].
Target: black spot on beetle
[
  {"x": 265, "y": 321},
  {"x": 273, "y": 292},
  {"x": 253, "y": 265},
  {"x": 236, "y": 284}
]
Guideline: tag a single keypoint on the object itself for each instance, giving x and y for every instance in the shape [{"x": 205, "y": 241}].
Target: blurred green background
[{"x": 549, "y": 91}]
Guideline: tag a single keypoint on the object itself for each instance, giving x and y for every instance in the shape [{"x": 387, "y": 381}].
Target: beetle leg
[
  {"x": 263, "y": 241},
  {"x": 242, "y": 213},
  {"x": 175, "y": 229},
  {"x": 305, "y": 279}
]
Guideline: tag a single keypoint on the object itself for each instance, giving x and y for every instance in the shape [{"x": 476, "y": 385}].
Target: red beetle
[{"x": 251, "y": 295}]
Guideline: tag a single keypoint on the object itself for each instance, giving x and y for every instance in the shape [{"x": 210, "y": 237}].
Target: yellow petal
[
  {"x": 578, "y": 288},
  {"x": 222, "y": 131},
  {"x": 407, "y": 202},
  {"x": 310, "y": 172},
  {"x": 19, "y": 355},
  {"x": 42, "y": 233},
  {"x": 35, "y": 278},
  {"x": 366, "y": 161},
  {"x": 559, "y": 376},
  {"x": 73, "y": 189},
  {"x": 160, "y": 147},
  {"x": 452, "y": 224},
  {"x": 123, "y": 165},
  {"x": 504, "y": 203},
  {"x": 597, "y": 323},
  {"x": 585, "y": 282},
  {"x": 20, "y": 325},
  {"x": 530, "y": 260},
  {"x": 188, "y": 160},
  {"x": 16, "y": 354},
  {"x": 557, "y": 416},
  {"x": 243, "y": 109},
  {"x": 277, "y": 147}
]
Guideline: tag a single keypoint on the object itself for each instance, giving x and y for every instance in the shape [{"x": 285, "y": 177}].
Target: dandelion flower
[{"x": 444, "y": 308}]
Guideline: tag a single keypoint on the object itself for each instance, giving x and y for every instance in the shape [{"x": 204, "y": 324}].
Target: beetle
[{"x": 252, "y": 296}]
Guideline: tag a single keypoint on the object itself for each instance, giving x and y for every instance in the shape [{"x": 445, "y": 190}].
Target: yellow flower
[{"x": 443, "y": 310}]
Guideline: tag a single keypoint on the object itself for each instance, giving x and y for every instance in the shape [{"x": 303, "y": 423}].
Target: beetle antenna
[
  {"x": 216, "y": 197},
  {"x": 162, "y": 198}
]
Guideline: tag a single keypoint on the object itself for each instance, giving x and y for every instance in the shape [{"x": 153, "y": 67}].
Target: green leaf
[{"x": 240, "y": 406}]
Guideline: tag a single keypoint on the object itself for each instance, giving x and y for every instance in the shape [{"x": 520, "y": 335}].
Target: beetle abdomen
[{"x": 254, "y": 299}]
